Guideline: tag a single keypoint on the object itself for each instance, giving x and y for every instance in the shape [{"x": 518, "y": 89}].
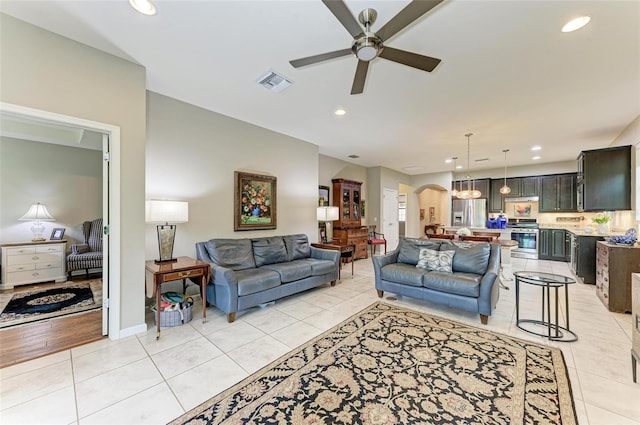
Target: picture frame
[
  {"x": 323, "y": 196},
  {"x": 255, "y": 201},
  {"x": 362, "y": 208},
  {"x": 57, "y": 234}
]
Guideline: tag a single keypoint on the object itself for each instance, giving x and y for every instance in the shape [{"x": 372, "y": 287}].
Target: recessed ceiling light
[
  {"x": 458, "y": 167},
  {"x": 576, "y": 24},
  {"x": 143, "y": 6},
  {"x": 535, "y": 158},
  {"x": 339, "y": 112},
  {"x": 536, "y": 148},
  {"x": 448, "y": 161}
]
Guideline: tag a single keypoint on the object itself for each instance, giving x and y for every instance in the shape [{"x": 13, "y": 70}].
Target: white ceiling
[{"x": 507, "y": 74}]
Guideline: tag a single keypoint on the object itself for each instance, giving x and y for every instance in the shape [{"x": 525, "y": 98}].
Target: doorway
[{"x": 110, "y": 143}]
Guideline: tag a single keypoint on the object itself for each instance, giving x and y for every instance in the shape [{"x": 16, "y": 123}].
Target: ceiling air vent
[{"x": 274, "y": 81}]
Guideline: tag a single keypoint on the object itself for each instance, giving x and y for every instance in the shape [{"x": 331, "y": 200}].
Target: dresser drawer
[
  {"x": 49, "y": 248},
  {"x": 33, "y": 258},
  {"x": 21, "y": 250},
  {"x": 40, "y": 275},
  {"x": 182, "y": 274},
  {"x": 21, "y": 267}
]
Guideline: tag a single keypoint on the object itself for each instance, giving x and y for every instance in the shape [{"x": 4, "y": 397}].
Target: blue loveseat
[
  {"x": 249, "y": 272},
  {"x": 469, "y": 282}
]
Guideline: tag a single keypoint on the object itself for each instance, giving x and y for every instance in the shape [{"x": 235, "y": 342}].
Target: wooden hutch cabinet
[
  {"x": 614, "y": 266},
  {"x": 348, "y": 229}
]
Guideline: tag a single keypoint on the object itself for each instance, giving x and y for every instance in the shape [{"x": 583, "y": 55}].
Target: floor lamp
[
  {"x": 166, "y": 212},
  {"x": 327, "y": 214}
]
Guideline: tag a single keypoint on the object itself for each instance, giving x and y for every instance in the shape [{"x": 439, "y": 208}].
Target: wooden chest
[
  {"x": 356, "y": 236},
  {"x": 614, "y": 266}
]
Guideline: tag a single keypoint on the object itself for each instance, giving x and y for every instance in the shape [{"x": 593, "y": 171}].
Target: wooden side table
[
  {"x": 346, "y": 252},
  {"x": 185, "y": 267}
]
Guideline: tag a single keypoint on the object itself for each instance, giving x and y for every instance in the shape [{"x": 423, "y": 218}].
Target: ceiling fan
[{"x": 368, "y": 45}]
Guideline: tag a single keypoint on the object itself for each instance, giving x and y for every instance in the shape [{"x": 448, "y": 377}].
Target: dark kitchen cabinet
[
  {"x": 614, "y": 266},
  {"x": 554, "y": 244},
  {"x": 558, "y": 193},
  {"x": 523, "y": 186},
  {"x": 583, "y": 257},
  {"x": 496, "y": 200},
  {"x": 604, "y": 179}
]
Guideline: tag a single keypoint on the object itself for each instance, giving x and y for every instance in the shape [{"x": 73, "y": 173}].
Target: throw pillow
[
  {"x": 81, "y": 248},
  {"x": 439, "y": 261}
]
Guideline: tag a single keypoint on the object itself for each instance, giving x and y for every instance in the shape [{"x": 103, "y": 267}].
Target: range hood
[{"x": 522, "y": 199}]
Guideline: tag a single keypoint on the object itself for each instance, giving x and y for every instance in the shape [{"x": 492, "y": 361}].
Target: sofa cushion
[
  {"x": 403, "y": 273},
  {"x": 410, "y": 249},
  {"x": 235, "y": 254},
  {"x": 290, "y": 271},
  {"x": 297, "y": 246},
  {"x": 269, "y": 250},
  {"x": 474, "y": 259},
  {"x": 439, "y": 261},
  {"x": 465, "y": 284},
  {"x": 319, "y": 267},
  {"x": 251, "y": 281}
]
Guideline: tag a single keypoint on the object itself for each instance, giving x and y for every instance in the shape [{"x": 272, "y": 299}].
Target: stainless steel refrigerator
[{"x": 469, "y": 212}]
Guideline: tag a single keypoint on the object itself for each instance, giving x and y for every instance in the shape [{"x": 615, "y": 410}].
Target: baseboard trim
[{"x": 133, "y": 330}]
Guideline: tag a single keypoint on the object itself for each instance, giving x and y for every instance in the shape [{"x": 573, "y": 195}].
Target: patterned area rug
[
  {"x": 24, "y": 306},
  {"x": 390, "y": 365}
]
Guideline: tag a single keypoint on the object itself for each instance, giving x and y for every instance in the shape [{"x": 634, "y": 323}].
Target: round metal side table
[{"x": 547, "y": 282}]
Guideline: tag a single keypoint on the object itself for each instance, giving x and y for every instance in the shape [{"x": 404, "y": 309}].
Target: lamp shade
[
  {"x": 166, "y": 211},
  {"x": 327, "y": 213},
  {"x": 37, "y": 212}
]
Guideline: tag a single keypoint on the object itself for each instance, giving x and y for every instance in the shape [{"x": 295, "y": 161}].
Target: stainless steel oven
[{"x": 525, "y": 232}]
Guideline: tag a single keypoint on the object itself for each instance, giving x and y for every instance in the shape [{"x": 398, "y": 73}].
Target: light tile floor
[{"x": 140, "y": 380}]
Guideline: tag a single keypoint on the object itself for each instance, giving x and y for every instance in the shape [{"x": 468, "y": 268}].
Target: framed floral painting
[{"x": 255, "y": 202}]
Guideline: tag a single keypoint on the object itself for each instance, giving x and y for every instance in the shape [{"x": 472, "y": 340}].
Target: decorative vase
[{"x": 603, "y": 228}]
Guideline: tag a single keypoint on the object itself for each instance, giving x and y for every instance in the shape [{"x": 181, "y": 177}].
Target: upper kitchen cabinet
[
  {"x": 558, "y": 193},
  {"x": 523, "y": 186},
  {"x": 604, "y": 179},
  {"x": 496, "y": 204}
]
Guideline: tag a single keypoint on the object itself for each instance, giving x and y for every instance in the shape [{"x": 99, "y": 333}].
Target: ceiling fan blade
[
  {"x": 425, "y": 63},
  {"x": 360, "y": 78},
  {"x": 344, "y": 15},
  {"x": 297, "y": 63},
  {"x": 406, "y": 16}
]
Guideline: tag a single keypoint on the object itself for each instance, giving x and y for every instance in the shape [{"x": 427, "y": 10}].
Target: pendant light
[
  {"x": 454, "y": 192},
  {"x": 470, "y": 192},
  {"x": 505, "y": 190}
]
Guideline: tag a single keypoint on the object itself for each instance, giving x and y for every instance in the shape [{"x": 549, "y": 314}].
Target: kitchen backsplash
[{"x": 620, "y": 220}]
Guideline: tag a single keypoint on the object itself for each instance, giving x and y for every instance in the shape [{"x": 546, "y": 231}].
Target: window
[{"x": 402, "y": 207}]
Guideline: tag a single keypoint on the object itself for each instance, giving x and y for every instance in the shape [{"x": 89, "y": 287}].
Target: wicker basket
[{"x": 173, "y": 318}]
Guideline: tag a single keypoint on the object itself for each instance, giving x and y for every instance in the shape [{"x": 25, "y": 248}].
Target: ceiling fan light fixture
[
  {"x": 576, "y": 24},
  {"x": 367, "y": 48},
  {"x": 143, "y": 6}
]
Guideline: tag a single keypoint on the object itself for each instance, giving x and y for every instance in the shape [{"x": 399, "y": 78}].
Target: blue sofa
[
  {"x": 249, "y": 272},
  {"x": 469, "y": 282}
]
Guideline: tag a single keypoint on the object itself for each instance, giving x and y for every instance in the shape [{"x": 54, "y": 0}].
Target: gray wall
[
  {"x": 192, "y": 154},
  {"x": 52, "y": 73},
  {"x": 67, "y": 180}
]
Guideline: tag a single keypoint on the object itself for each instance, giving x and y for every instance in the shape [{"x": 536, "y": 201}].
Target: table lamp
[
  {"x": 327, "y": 214},
  {"x": 166, "y": 212},
  {"x": 37, "y": 213}
]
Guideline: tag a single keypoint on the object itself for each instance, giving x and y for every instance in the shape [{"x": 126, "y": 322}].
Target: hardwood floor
[{"x": 32, "y": 340}]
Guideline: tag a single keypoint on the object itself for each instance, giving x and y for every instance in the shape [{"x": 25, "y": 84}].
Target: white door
[
  {"x": 390, "y": 218},
  {"x": 105, "y": 234}
]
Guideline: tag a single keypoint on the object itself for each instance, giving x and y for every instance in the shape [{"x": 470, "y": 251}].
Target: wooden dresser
[
  {"x": 614, "y": 266},
  {"x": 635, "y": 323},
  {"x": 348, "y": 228}
]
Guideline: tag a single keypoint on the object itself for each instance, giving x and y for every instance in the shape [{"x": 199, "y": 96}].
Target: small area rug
[
  {"x": 390, "y": 365},
  {"x": 48, "y": 301}
]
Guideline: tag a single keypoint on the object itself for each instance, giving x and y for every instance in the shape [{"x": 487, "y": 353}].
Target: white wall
[
  {"x": 192, "y": 154},
  {"x": 48, "y": 72},
  {"x": 67, "y": 180}
]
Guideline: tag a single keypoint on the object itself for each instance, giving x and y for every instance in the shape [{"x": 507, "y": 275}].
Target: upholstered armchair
[{"x": 87, "y": 255}]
